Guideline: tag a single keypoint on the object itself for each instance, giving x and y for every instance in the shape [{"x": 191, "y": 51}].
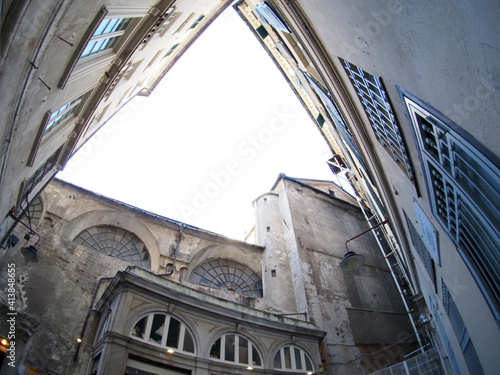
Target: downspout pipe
[{"x": 170, "y": 273}]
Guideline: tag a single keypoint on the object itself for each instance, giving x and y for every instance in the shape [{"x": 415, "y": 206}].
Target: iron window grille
[
  {"x": 464, "y": 193},
  {"x": 462, "y": 334},
  {"x": 422, "y": 250},
  {"x": 117, "y": 243},
  {"x": 378, "y": 108},
  {"x": 228, "y": 275}
]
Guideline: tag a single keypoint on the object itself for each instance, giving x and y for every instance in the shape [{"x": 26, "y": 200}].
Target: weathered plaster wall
[
  {"x": 57, "y": 295},
  {"x": 360, "y": 311},
  {"x": 59, "y": 288},
  {"x": 277, "y": 276}
]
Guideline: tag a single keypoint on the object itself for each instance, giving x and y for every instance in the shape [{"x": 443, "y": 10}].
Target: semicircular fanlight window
[
  {"x": 164, "y": 330},
  {"x": 117, "y": 243},
  {"x": 291, "y": 358},
  {"x": 229, "y": 275},
  {"x": 34, "y": 212}
]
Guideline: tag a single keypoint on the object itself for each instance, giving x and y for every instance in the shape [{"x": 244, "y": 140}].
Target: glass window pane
[
  {"x": 157, "y": 328},
  {"x": 111, "y": 25},
  {"x": 288, "y": 357},
  {"x": 97, "y": 46},
  {"x": 277, "y": 360},
  {"x": 110, "y": 43},
  {"x": 88, "y": 48},
  {"x": 298, "y": 359},
  {"x": 174, "y": 329},
  {"x": 140, "y": 328},
  {"x": 309, "y": 366},
  {"x": 243, "y": 350},
  {"x": 123, "y": 24},
  {"x": 188, "y": 342},
  {"x": 101, "y": 27},
  {"x": 229, "y": 348},
  {"x": 256, "y": 361},
  {"x": 215, "y": 351}
]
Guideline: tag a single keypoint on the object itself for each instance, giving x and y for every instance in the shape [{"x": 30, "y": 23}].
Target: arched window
[
  {"x": 234, "y": 348},
  {"x": 164, "y": 330},
  {"x": 116, "y": 242},
  {"x": 229, "y": 275},
  {"x": 293, "y": 358}
]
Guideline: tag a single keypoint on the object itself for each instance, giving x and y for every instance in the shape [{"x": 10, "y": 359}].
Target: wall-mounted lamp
[
  {"x": 353, "y": 261},
  {"x": 30, "y": 252}
]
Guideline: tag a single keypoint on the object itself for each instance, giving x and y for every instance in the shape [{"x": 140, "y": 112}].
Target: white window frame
[
  {"x": 303, "y": 356},
  {"x": 166, "y": 325},
  {"x": 105, "y": 36},
  {"x": 80, "y": 66},
  {"x": 236, "y": 361},
  {"x": 48, "y": 140}
]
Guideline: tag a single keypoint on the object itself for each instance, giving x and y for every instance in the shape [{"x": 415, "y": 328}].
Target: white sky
[{"x": 213, "y": 136}]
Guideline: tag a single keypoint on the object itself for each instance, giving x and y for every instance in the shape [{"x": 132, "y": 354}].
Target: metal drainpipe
[
  {"x": 181, "y": 229},
  {"x": 396, "y": 282}
]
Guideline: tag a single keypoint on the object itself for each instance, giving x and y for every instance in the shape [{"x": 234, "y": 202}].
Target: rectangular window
[
  {"x": 169, "y": 52},
  {"x": 106, "y": 35},
  {"x": 349, "y": 143},
  {"x": 464, "y": 193},
  {"x": 422, "y": 251},
  {"x": 197, "y": 21},
  {"x": 376, "y": 104},
  {"x": 462, "y": 334},
  {"x": 101, "y": 42},
  {"x": 59, "y": 116},
  {"x": 269, "y": 17},
  {"x": 261, "y": 30}
]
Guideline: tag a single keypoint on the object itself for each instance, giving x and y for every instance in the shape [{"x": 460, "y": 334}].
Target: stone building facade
[
  {"x": 407, "y": 96},
  {"x": 67, "y": 66},
  {"x": 117, "y": 290}
]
